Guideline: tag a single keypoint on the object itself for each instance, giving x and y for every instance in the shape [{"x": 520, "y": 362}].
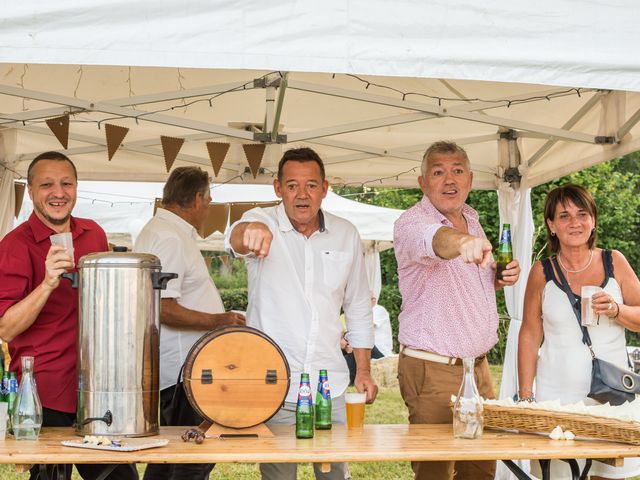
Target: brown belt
[{"x": 435, "y": 357}]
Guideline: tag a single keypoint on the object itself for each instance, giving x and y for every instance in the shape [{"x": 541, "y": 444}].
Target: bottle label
[
  {"x": 323, "y": 389},
  {"x": 505, "y": 238},
  {"x": 304, "y": 395},
  {"x": 305, "y": 390}
]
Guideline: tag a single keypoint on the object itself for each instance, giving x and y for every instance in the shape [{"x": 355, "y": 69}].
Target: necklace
[{"x": 580, "y": 269}]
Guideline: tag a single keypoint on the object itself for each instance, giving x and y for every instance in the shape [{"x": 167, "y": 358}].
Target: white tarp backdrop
[{"x": 533, "y": 92}]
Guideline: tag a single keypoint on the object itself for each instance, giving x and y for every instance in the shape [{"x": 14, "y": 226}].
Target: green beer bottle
[
  {"x": 505, "y": 251},
  {"x": 304, "y": 409},
  {"x": 323, "y": 402}
]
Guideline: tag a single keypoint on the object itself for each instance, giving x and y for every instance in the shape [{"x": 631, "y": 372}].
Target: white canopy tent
[{"x": 533, "y": 92}]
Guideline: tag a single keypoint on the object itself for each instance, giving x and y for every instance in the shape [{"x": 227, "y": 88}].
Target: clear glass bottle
[
  {"x": 27, "y": 410},
  {"x": 468, "y": 417}
]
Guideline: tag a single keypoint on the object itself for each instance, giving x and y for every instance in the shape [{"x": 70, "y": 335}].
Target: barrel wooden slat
[{"x": 238, "y": 360}]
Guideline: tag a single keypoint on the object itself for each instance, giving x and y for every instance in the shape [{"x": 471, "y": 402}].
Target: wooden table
[{"x": 372, "y": 443}]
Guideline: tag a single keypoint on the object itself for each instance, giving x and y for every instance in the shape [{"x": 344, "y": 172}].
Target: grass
[{"x": 388, "y": 409}]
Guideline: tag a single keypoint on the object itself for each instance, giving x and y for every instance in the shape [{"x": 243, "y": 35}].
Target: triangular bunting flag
[
  {"x": 18, "y": 188},
  {"x": 216, "y": 220},
  {"x": 157, "y": 203},
  {"x": 254, "y": 153},
  {"x": 217, "y": 153},
  {"x": 237, "y": 210},
  {"x": 60, "y": 128},
  {"x": 115, "y": 134},
  {"x": 208, "y": 261},
  {"x": 225, "y": 259},
  {"x": 170, "y": 147}
]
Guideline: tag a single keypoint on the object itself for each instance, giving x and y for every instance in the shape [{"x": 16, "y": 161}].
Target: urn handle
[
  {"x": 73, "y": 277},
  {"x": 160, "y": 279}
]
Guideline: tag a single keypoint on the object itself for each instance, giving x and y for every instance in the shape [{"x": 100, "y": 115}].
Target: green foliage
[
  {"x": 615, "y": 186},
  {"x": 391, "y": 300},
  {"x": 234, "y": 298},
  {"x": 384, "y": 197},
  {"x": 232, "y": 275}
]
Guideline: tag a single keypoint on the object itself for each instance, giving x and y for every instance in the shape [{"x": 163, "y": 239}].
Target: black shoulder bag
[{"x": 609, "y": 383}]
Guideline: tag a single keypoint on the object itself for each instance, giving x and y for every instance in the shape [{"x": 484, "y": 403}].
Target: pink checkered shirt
[{"x": 448, "y": 306}]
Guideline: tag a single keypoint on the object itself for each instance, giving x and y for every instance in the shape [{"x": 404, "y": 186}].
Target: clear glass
[
  {"x": 468, "y": 417},
  {"x": 27, "y": 410}
]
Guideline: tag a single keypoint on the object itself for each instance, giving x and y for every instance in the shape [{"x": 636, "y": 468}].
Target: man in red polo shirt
[{"x": 38, "y": 310}]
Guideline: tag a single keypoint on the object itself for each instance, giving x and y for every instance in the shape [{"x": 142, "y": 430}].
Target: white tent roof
[
  {"x": 125, "y": 207},
  {"x": 425, "y": 71},
  {"x": 554, "y": 42}
]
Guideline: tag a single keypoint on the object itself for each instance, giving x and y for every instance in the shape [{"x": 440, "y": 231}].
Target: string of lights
[
  {"x": 183, "y": 103},
  {"x": 508, "y": 102},
  {"x": 380, "y": 180},
  {"x": 241, "y": 178}
]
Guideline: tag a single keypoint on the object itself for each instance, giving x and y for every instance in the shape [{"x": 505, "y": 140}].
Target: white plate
[{"x": 130, "y": 444}]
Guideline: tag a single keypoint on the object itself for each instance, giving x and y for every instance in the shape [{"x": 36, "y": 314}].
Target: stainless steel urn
[{"x": 118, "y": 345}]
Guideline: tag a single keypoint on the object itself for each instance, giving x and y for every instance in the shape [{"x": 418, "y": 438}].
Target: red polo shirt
[{"x": 53, "y": 338}]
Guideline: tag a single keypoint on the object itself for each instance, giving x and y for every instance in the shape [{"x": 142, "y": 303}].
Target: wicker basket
[{"x": 543, "y": 421}]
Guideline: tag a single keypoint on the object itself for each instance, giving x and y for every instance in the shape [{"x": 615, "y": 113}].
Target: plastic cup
[
  {"x": 65, "y": 240},
  {"x": 355, "y": 409},
  {"x": 589, "y": 318},
  {"x": 3, "y": 420}
]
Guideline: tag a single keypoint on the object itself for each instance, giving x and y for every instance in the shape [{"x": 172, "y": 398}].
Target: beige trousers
[{"x": 426, "y": 388}]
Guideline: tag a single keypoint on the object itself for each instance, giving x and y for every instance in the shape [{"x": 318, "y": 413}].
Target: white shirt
[
  {"x": 382, "y": 330},
  {"x": 173, "y": 241},
  {"x": 296, "y": 292}
]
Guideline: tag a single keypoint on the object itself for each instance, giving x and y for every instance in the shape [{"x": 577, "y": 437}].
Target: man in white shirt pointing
[{"x": 304, "y": 265}]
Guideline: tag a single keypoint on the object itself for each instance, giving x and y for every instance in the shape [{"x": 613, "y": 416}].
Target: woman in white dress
[{"x": 562, "y": 368}]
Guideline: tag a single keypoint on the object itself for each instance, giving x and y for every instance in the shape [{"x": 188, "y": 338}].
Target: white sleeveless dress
[{"x": 564, "y": 365}]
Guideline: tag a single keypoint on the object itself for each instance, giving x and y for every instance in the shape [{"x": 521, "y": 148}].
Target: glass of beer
[{"x": 355, "y": 409}]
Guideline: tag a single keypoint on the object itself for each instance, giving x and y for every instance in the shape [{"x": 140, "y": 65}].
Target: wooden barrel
[{"x": 236, "y": 377}]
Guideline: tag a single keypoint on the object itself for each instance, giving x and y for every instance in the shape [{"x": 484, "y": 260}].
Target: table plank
[{"x": 372, "y": 443}]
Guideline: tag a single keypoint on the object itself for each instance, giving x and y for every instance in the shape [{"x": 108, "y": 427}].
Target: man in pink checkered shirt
[{"x": 447, "y": 280}]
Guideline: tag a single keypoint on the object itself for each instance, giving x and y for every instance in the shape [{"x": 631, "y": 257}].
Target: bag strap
[
  {"x": 575, "y": 305},
  {"x": 607, "y": 260},
  {"x": 548, "y": 270}
]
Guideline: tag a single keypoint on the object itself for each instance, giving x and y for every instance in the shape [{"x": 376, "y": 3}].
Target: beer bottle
[
  {"x": 304, "y": 409},
  {"x": 505, "y": 251},
  {"x": 323, "y": 402}
]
